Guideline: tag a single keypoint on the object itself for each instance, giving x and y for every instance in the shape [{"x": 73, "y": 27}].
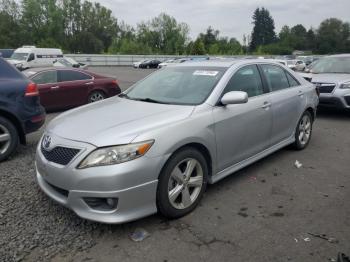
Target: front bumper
[
  {"x": 340, "y": 102},
  {"x": 133, "y": 184}
]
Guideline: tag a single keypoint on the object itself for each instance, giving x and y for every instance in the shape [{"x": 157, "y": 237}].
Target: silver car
[
  {"x": 157, "y": 146},
  {"x": 331, "y": 75}
]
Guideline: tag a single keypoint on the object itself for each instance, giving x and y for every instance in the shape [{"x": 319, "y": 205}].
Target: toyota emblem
[{"x": 47, "y": 142}]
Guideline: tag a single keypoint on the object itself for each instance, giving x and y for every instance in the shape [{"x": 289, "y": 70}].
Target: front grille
[
  {"x": 60, "y": 155},
  {"x": 325, "y": 87}
]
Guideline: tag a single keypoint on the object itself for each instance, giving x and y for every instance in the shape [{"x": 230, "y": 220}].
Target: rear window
[{"x": 8, "y": 71}]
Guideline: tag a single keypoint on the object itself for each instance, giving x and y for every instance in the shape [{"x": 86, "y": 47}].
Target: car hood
[
  {"x": 327, "y": 78},
  {"x": 115, "y": 121},
  {"x": 15, "y": 62}
]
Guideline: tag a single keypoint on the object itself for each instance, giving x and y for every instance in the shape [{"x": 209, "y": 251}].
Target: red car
[{"x": 69, "y": 87}]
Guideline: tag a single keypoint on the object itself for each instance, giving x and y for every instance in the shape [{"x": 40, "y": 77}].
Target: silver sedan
[{"x": 158, "y": 145}]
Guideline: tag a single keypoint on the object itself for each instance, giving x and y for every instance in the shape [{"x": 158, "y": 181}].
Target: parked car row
[{"x": 158, "y": 64}]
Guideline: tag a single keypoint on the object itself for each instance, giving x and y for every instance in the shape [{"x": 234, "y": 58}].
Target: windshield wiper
[
  {"x": 124, "y": 95},
  {"x": 149, "y": 100}
]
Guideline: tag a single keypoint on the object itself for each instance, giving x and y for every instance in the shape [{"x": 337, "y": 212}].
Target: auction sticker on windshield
[{"x": 205, "y": 73}]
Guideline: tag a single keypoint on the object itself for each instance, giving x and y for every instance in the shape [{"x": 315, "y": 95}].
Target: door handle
[
  {"x": 89, "y": 83},
  {"x": 55, "y": 87},
  {"x": 300, "y": 93},
  {"x": 266, "y": 105}
]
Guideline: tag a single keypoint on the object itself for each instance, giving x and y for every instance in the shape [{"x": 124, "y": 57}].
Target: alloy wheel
[
  {"x": 5, "y": 139},
  {"x": 96, "y": 96},
  {"x": 185, "y": 183},
  {"x": 304, "y": 130}
]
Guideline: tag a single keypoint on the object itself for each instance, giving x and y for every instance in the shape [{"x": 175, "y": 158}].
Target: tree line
[{"x": 79, "y": 26}]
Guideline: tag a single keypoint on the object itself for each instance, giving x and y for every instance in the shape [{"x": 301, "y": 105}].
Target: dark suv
[{"x": 20, "y": 109}]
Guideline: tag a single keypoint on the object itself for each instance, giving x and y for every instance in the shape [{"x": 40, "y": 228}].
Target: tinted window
[
  {"x": 291, "y": 80},
  {"x": 276, "y": 77},
  {"x": 69, "y": 75},
  {"x": 45, "y": 77},
  {"x": 246, "y": 79}
]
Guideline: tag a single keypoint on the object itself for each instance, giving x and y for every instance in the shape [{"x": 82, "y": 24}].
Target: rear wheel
[
  {"x": 8, "y": 138},
  {"x": 303, "y": 131},
  {"x": 96, "y": 96},
  {"x": 182, "y": 183}
]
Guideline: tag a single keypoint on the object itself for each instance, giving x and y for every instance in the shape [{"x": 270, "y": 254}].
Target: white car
[
  {"x": 69, "y": 62},
  {"x": 137, "y": 64},
  {"x": 296, "y": 65},
  {"x": 172, "y": 61}
]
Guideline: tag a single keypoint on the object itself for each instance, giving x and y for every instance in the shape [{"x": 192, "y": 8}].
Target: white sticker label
[{"x": 205, "y": 73}]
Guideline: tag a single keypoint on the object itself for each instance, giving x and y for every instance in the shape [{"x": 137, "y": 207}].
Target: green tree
[
  {"x": 198, "y": 47},
  {"x": 10, "y": 31},
  {"x": 333, "y": 36},
  {"x": 263, "y": 30}
]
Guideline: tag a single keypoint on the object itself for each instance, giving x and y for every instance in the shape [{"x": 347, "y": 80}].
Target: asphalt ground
[{"x": 269, "y": 211}]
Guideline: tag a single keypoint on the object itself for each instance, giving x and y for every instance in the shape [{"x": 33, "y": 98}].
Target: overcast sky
[{"x": 231, "y": 17}]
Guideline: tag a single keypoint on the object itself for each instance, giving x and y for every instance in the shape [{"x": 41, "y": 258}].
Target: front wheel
[
  {"x": 182, "y": 183},
  {"x": 303, "y": 131}
]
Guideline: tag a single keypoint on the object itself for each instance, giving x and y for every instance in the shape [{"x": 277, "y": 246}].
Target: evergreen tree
[{"x": 264, "y": 29}]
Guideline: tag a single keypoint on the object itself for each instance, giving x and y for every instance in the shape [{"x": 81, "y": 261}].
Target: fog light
[
  {"x": 102, "y": 204},
  {"x": 111, "y": 202}
]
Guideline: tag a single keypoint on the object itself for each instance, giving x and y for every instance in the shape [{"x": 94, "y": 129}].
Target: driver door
[{"x": 243, "y": 130}]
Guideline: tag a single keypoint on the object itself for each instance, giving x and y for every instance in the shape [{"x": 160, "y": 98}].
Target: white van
[{"x": 30, "y": 56}]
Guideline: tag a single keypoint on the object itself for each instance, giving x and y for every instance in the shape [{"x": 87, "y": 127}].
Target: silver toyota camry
[{"x": 158, "y": 145}]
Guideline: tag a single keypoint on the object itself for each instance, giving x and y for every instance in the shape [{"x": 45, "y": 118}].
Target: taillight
[
  {"x": 114, "y": 82},
  {"x": 32, "y": 90}
]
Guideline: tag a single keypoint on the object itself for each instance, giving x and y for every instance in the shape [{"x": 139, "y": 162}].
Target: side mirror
[{"x": 234, "y": 97}]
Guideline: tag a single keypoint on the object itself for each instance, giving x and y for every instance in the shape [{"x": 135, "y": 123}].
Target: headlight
[
  {"x": 116, "y": 154},
  {"x": 345, "y": 85}
]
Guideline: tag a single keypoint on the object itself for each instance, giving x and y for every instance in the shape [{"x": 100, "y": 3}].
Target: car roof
[
  {"x": 209, "y": 63},
  {"x": 224, "y": 63},
  {"x": 340, "y": 55},
  {"x": 35, "y": 70}
]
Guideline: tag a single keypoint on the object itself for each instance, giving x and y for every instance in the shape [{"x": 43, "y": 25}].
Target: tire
[
  {"x": 9, "y": 138},
  {"x": 175, "y": 184},
  {"x": 96, "y": 96},
  {"x": 303, "y": 131}
]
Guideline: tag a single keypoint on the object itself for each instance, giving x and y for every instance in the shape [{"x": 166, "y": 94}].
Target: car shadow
[{"x": 332, "y": 113}]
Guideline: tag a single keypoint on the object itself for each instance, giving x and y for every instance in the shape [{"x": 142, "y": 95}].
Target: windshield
[
  {"x": 177, "y": 85},
  {"x": 19, "y": 56},
  {"x": 333, "y": 65},
  {"x": 64, "y": 62}
]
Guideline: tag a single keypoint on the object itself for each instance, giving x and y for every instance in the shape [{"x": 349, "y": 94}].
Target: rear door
[
  {"x": 73, "y": 87},
  {"x": 287, "y": 98},
  {"x": 47, "y": 84},
  {"x": 243, "y": 130}
]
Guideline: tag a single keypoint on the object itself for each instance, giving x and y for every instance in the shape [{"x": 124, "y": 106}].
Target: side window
[
  {"x": 70, "y": 75},
  {"x": 275, "y": 76},
  {"x": 45, "y": 77},
  {"x": 246, "y": 79},
  {"x": 291, "y": 80},
  {"x": 31, "y": 57}
]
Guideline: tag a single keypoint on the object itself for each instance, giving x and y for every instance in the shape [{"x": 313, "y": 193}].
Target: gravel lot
[{"x": 262, "y": 213}]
